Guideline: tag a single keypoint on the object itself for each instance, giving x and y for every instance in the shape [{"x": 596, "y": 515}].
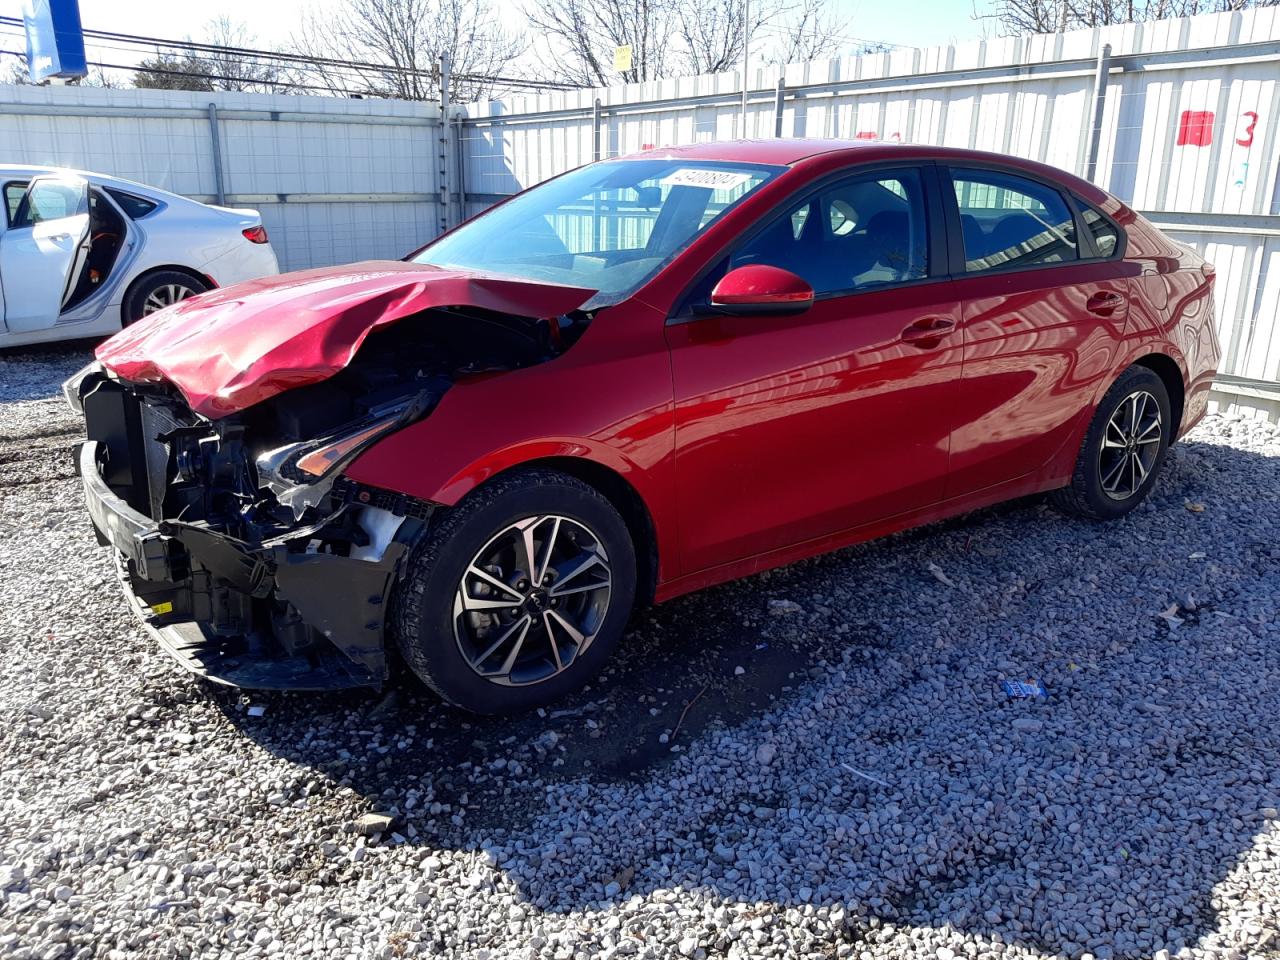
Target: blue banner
[{"x": 55, "y": 41}]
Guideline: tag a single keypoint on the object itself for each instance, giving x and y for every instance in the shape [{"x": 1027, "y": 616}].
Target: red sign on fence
[{"x": 1195, "y": 128}]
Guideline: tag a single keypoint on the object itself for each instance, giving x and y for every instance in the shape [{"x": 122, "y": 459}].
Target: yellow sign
[
  {"x": 160, "y": 609},
  {"x": 622, "y": 58}
]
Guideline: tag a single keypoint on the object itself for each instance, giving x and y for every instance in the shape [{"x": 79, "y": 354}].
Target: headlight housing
[{"x": 312, "y": 460}]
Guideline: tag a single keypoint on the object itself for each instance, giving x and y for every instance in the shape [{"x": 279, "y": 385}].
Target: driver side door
[
  {"x": 795, "y": 428},
  {"x": 43, "y": 252}
]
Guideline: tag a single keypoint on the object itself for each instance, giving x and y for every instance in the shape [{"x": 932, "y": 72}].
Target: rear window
[
  {"x": 1011, "y": 221},
  {"x": 1106, "y": 238},
  {"x": 134, "y": 207}
]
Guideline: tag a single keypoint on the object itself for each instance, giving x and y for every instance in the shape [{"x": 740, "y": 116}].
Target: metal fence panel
[{"x": 335, "y": 180}]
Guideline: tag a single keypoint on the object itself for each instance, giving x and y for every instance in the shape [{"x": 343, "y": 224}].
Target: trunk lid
[{"x": 234, "y": 347}]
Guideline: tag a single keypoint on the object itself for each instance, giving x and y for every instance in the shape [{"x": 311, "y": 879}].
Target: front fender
[{"x": 615, "y": 413}]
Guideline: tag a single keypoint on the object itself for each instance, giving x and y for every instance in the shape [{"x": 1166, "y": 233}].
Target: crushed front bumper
[{"x": 167, "y": 567}]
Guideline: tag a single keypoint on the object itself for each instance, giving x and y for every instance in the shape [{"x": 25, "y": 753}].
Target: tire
[
  {"x": 444, "y": 643},
  {"x": 157, "y": 290},
  {"x": 1110, "y": 481}
]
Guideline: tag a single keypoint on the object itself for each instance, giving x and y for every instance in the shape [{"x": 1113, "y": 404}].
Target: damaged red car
[{"x": 640, "y": 378}]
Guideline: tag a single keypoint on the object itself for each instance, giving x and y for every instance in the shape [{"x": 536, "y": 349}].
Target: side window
[
  {"x": 1105, "y": 236},
  {"x": 12, "y": 199},
  {"x": 1008, "y": 221},
  {"x": 50, "y": 200},
  {"x": 134, "y": 207},
  {"x": 856, "y": 234}
]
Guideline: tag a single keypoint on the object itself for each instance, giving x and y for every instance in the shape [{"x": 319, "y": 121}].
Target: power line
[
  {"x": 210, "y": 66},
  {"x": 302, "y": 60},
  {"x": 182, "y": 73}
]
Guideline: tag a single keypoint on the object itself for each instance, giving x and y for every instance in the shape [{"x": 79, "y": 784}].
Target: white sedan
[{"x": 83, "y": 254}]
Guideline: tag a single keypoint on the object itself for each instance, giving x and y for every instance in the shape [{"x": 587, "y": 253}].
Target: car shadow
[{"x": 1104, "y": 818}]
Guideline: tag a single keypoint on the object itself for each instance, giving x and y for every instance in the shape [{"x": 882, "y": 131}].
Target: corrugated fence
[
  {"x": 335, "y": 180},
  {"x": 1181, "y": 118}
]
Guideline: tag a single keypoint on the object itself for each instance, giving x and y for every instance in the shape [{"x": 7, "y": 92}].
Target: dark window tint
[
  {"x": 12, "y": 198},
  {"x": 135, "y": 207},
  {"x": 1010, "y": 221},
  {"x": 1105, "y": 236},
  {"x": 859, "y": 233}
]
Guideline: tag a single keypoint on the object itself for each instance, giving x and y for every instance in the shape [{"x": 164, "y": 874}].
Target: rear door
[
  {"x": 792, "y": 428},
  {"x": 1044, "y": 309},
  {"x": 43, "y": 251}
]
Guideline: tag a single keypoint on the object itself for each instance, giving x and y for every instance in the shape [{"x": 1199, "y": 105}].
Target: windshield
[{"x": 608, "y": 227}]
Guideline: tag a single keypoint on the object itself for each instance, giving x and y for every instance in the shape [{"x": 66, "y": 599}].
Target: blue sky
[{"x": 914, "y": 23}]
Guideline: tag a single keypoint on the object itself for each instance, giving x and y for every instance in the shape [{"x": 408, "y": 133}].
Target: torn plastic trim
[
  {"x": 343, "y": 598},
  {"x": 200, "y": 651},
  {"x": 73, "y": 386}
]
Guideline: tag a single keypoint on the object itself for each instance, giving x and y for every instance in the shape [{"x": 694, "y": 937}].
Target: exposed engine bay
[{"x": 245, "y": 548}]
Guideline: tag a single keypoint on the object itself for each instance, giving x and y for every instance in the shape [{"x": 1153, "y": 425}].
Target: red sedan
[{"x": 645, "y": 376}]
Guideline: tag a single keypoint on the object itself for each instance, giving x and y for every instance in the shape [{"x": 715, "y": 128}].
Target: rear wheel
[
  {"x": 1123, "y": 449},
  {"x": 519, "y": 595},
  {"x": 157, "y": 291}
]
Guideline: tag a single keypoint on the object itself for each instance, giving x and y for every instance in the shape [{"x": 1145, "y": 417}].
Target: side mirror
[{"x": 758, "y": 289}]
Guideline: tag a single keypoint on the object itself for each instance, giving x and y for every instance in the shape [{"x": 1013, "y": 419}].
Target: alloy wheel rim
[
  {"x": 1130, "y": 445},
  {"x": 165, "y": 296},
  {"x": 532, "y": 600}
]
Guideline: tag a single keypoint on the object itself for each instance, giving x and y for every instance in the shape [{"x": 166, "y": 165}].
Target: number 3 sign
[{"x": 1245, "y": 139}]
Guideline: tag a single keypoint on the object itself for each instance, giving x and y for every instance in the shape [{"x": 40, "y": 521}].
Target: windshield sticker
[{"x": 710, "y": 179}]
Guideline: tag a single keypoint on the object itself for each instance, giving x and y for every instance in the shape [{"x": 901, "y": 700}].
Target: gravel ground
[{"x": 820, "y": 762}]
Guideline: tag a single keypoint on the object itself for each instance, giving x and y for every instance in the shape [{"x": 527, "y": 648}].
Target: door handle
[
  {"x": 59, "y": 236},
  {"x": 928, "y": 332},
  {"x": 1104, "y": 304}
]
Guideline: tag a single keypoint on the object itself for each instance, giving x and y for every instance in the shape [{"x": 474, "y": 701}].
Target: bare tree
[
  {"x": 811, "y": 30},
  {"x": 18, "y": 73},
  {"x": 711, "y": 34},
  {"x": 590, "y": 30},
  {"x": 164, "y": 72},
  {"x": 392, "y": 48},
  {"x": 233, "y": 66},
  {"x": 679, "y": 37},
  {"x": 1052, "y": 16},
  {"x": 102, "y": 79},
  {"x": 230, "y": 67}
]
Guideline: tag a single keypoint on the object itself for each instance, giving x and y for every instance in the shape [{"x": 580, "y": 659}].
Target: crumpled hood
[{"x": 229, "y": 349}]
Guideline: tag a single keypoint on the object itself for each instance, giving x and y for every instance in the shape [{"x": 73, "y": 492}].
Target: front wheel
[
  {"x": 519, "y": 595},
  {"x": 1123, "y": 449}
]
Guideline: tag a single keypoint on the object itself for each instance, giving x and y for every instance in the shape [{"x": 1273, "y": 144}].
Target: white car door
[{"x": 42, "y": 254}]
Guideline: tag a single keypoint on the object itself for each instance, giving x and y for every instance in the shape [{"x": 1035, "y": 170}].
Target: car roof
[
  {"x": 780, "y": 151},
  {"x": 10, "y": 170},
  {"x": 793, "y": 151}
]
